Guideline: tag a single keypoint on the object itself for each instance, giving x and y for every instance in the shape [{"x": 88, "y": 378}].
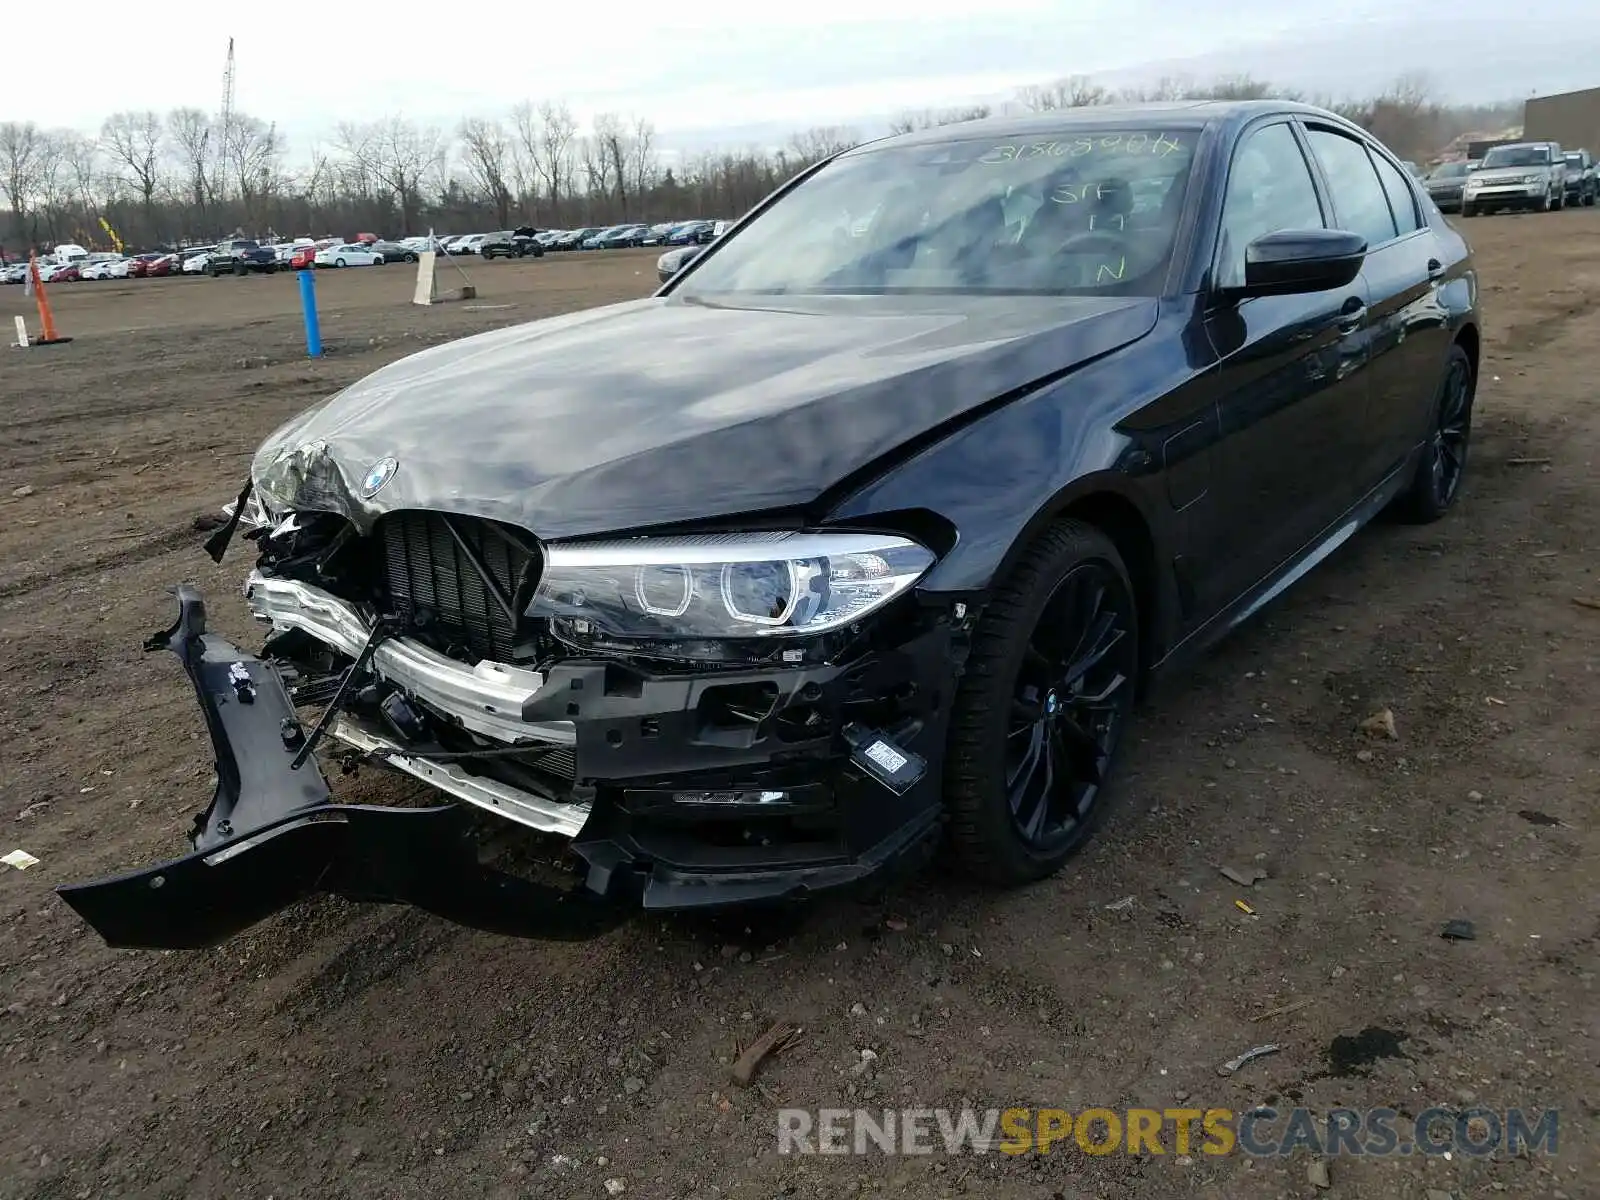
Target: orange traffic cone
[{"x": 47, "y": 322}]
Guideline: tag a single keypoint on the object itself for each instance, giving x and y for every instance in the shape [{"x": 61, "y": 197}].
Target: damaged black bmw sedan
[{"x": 862, "y": 534}]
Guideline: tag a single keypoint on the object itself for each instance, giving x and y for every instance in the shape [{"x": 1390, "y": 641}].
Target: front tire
[
  {"x": 1443, "y": 464},
  {"x": 1040, "y": 710}
]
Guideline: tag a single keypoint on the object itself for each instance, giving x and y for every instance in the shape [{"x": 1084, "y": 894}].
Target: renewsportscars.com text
[{"x": 1259, "y": 1132}]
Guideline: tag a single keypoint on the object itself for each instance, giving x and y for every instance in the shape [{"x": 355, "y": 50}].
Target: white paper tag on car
[{"x": 886, "y": 758}]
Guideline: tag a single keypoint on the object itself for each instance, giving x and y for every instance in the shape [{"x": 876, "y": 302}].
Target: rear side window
[
  {"x": 1401, "y": 201},
  {"x": 1359, "y": 200}
]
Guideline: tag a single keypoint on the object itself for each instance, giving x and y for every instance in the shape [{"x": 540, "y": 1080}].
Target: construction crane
[{"x": 225, "y": 132}]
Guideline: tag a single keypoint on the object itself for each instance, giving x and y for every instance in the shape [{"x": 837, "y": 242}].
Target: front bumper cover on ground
[{"x": 273, "y": 835}]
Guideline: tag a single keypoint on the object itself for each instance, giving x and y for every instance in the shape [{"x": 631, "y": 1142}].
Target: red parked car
[
  {"x": 141, "y": 264},
  {"x": 303, "y": 257},
  {"x": 67, "y": 273},
  {"x": 166, "y": 264}
]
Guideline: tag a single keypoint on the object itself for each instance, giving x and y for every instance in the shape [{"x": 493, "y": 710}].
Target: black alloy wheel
[
  {"x": 1048, "y": 691},
  {"x": 1444, "y": 457}
]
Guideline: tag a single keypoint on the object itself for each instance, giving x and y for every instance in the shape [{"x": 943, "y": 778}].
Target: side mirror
[
  {"x": 1296, "y": 261},
  {"x": 681, "y": 260}
]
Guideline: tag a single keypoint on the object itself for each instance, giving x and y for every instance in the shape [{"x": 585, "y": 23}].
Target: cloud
[{"x": 727, "y": 70}]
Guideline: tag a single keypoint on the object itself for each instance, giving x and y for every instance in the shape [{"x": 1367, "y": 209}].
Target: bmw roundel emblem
[{"x": 377, "y": 475}]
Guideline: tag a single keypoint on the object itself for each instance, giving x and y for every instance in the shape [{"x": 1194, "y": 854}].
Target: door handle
[
  {"x": 1435, "y": 270},
  {"x": 1352, "y": 316}
]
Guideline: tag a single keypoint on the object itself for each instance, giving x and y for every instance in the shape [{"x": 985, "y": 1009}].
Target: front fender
[{"x": 998, "y": 480}]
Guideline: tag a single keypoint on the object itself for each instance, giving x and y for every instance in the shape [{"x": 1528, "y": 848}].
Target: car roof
[{"x": 1174, "y": 114}]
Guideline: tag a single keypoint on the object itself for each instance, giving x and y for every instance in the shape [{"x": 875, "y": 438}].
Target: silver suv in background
[{"x": 1520, "y": 175}]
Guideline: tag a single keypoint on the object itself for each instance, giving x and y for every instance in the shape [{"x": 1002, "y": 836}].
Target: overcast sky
[{"x": 736, "y": 70}]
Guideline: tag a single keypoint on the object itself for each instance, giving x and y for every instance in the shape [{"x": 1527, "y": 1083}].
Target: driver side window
[{"x": 1269, "y": 189}]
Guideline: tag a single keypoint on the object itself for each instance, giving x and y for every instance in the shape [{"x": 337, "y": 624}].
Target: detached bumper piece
[{"x": 272, "y": 835}]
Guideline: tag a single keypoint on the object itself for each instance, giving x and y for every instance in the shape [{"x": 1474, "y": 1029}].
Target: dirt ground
[{"x": 343, "y": 1051}]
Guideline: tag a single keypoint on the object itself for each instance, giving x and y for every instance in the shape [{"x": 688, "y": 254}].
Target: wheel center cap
[{"x": 1052, "y": 704}]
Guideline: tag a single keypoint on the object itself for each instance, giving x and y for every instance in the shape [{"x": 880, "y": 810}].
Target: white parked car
[
  {"x": 469, "y": 244},
  {"x": 196, "y": 264},
  {"x": 119, "y": 269},
  {"x": 102, "y": 269},
  {"x": 349, "y": 254}
]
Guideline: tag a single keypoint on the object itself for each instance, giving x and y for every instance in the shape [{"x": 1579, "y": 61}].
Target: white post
[
  {"x": 425, "y": 292},
  {"x": 22, "y": 334}
]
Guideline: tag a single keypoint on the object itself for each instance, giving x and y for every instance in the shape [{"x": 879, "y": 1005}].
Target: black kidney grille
[{"x": 431, "y": 578}]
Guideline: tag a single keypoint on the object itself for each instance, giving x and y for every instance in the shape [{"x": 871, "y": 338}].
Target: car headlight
[{"x": 741, "y": 585}]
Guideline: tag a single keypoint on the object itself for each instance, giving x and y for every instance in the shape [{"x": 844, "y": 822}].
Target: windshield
[
  {"x": 1575, "y": 159},
  {"x": 1449, "y": 171},
  {"x": 1074, "y": 211},
  {"x": 1517, "y": 156}
]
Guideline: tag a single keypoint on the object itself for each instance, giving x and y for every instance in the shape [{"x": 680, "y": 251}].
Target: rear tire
[
  {"x": 1443, "y": 464},
  {"x": 1467, "y": 210},
  {"x": 1041, "y": 707}
]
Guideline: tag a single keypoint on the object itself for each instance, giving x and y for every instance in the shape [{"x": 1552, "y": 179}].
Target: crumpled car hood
[{"x": 668, "y": 410}]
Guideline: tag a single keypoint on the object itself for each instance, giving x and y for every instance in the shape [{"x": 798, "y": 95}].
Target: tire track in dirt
[{"x": 142, "y": 546}]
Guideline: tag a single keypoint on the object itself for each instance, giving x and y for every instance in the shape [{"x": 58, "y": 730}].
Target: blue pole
[{"x": 308, "y": 304}]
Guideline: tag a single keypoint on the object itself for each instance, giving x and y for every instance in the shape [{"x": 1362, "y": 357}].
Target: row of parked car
[
  {"x": 238, "y": 256},
  {"x": 520, "y": 242},
  {"x": 234, "y": 256},
  {"x": 1538, "y": 176}
]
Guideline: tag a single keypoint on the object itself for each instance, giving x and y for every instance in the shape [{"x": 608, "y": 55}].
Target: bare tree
[
  {"x": 396, "y": 155},
  {"x": 1164, "y": 91},
  {"x": 57, "y": 186},
  {"x": 525, "y": 131},
  {"x": 1070, "y": 91},
  {"x": 81, "y": 166},
  {"x": 133, "y": 141},
  {"x": 153, "y": 179},
  {"x": 189, "y": 135},
  {"x": 613, "y": 144},
  {"x": 934, "y": 118},
  {"x": 20, "y": 145},
  {"x": 595, "y": 166},
  {"x": 552, "y": 157},
  {"x": 488, "y": 155},
  {"x": 1238, "y": 87},
  {"x": 642, "y": 164},
  {"x": 820, "y": 142},
  {"x": 252, "y": 148}
]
